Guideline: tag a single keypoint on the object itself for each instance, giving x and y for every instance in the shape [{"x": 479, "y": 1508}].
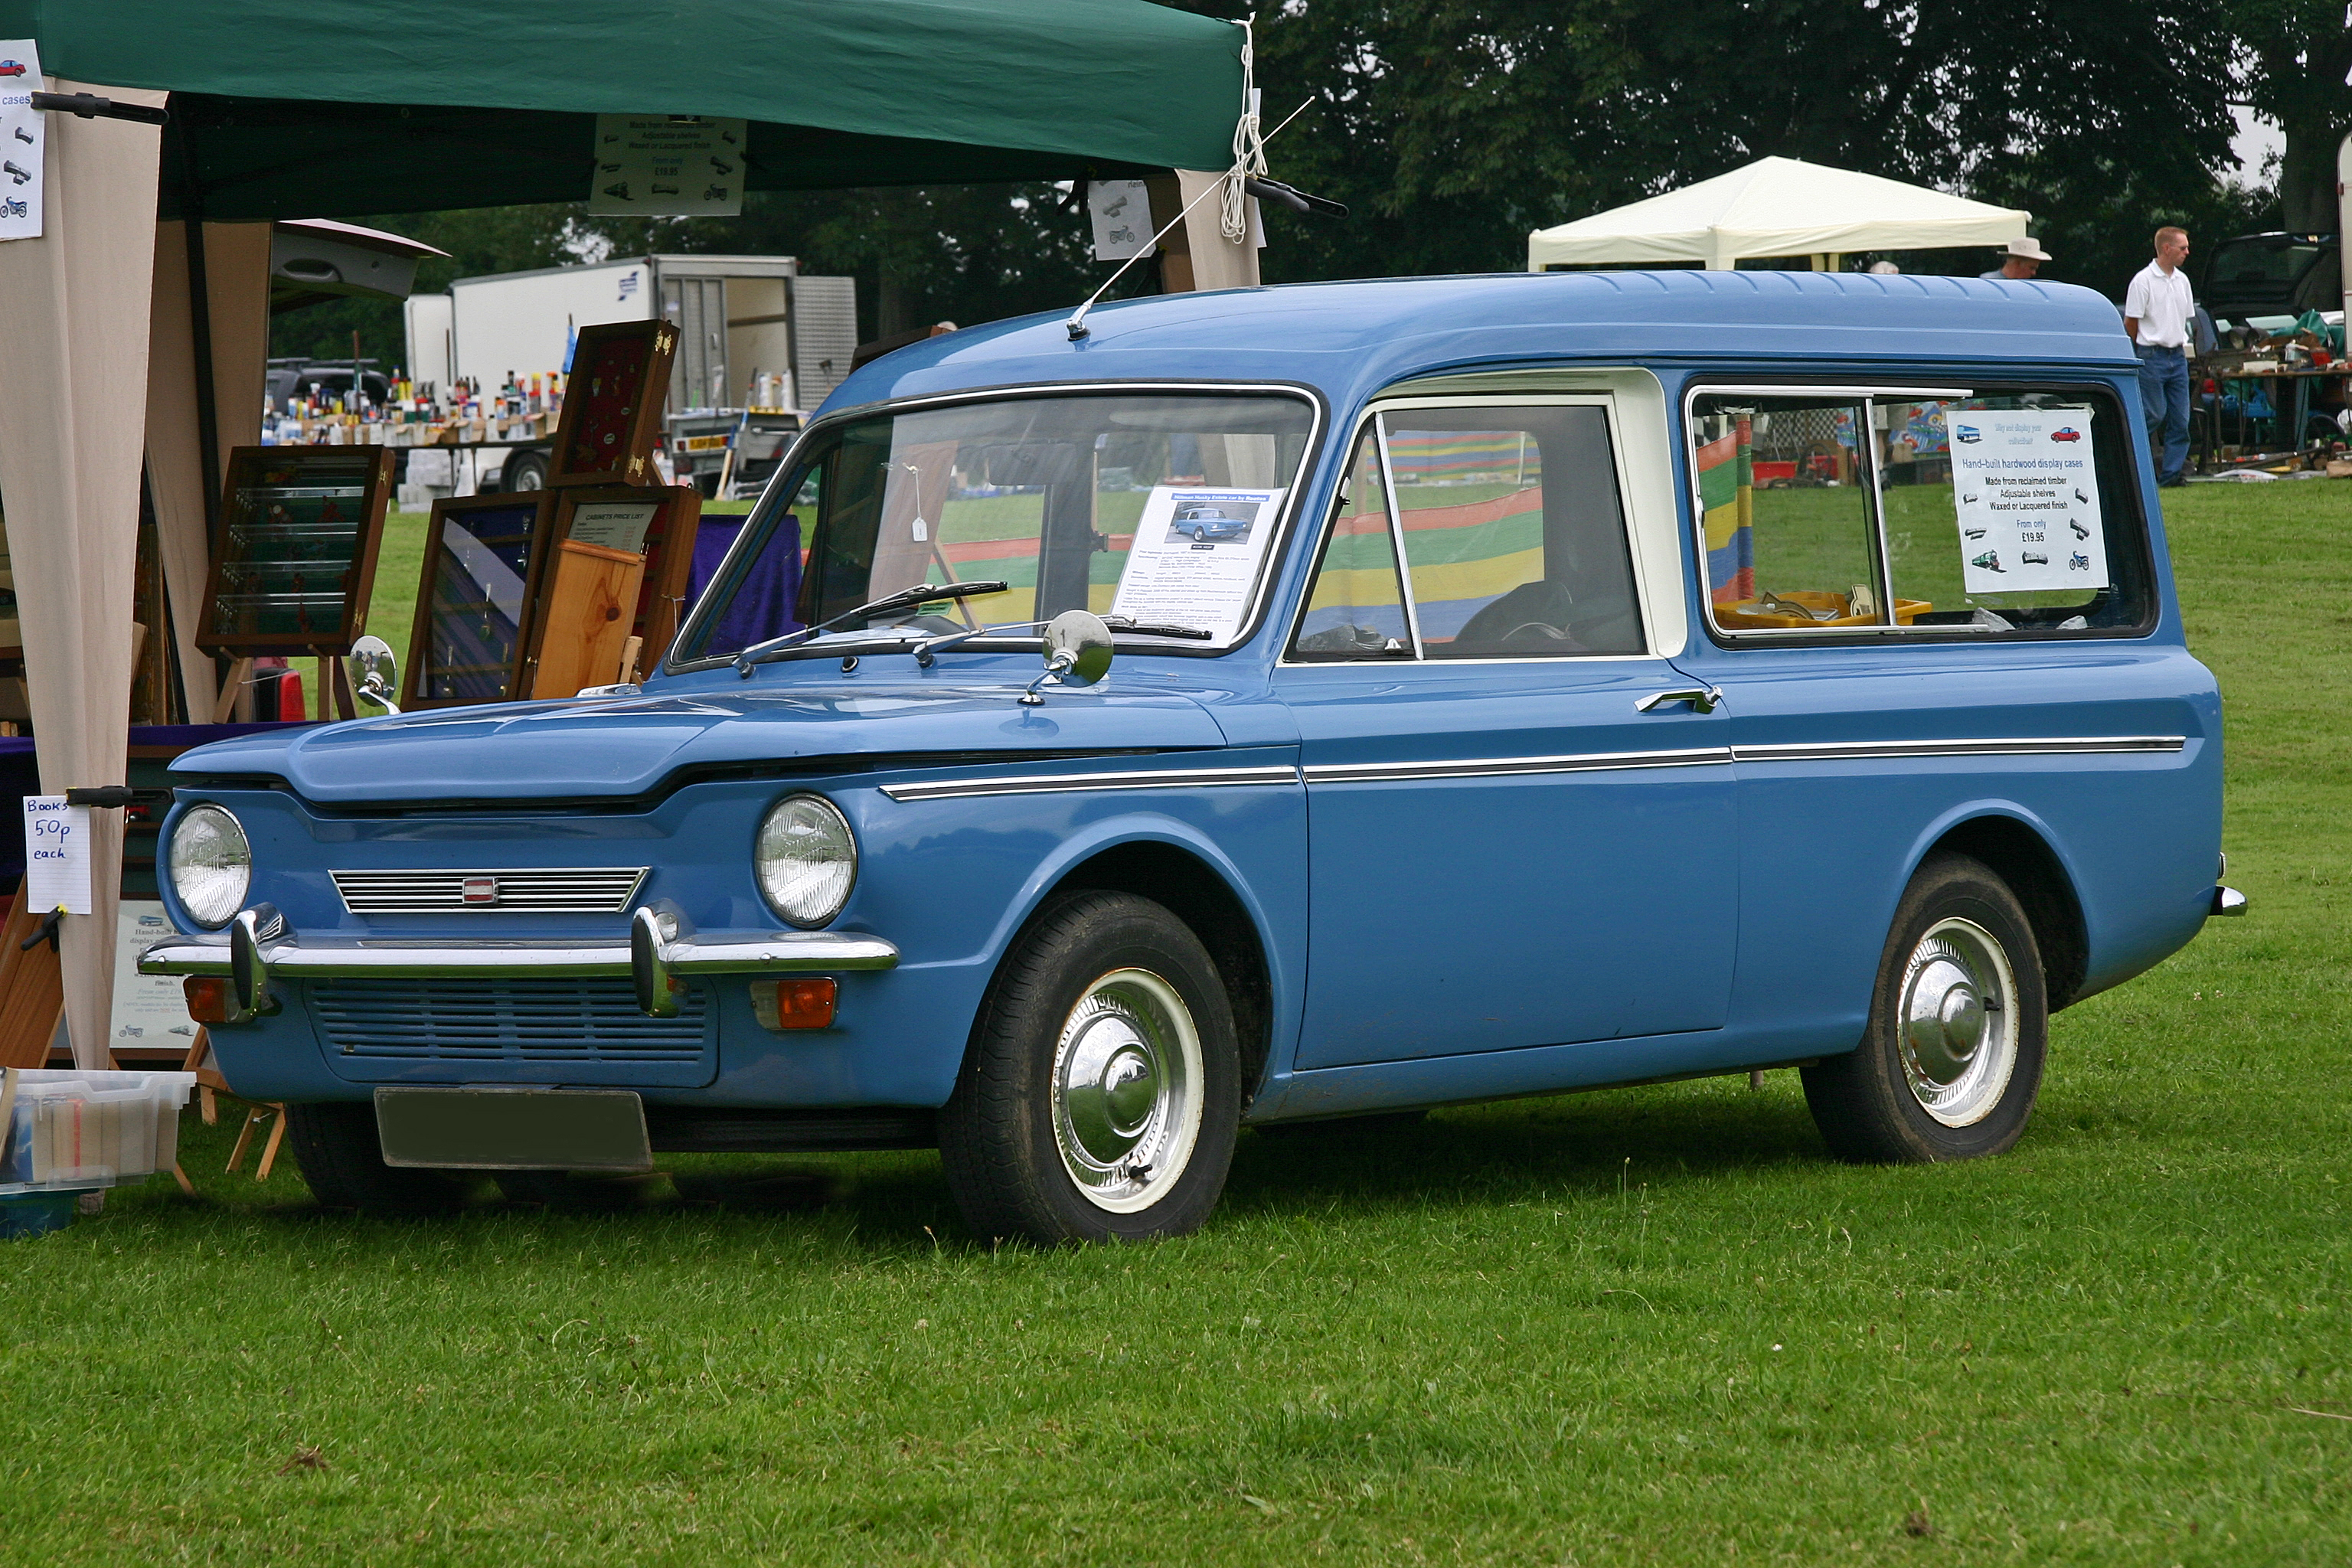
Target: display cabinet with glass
[{"x": 295, "y": 556}]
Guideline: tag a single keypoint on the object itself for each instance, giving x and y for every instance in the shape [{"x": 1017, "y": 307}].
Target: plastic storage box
[{"x": 71, "y": 1131}]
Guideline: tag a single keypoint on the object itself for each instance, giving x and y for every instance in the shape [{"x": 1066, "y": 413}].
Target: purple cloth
[{"x": 771, "y": 588}]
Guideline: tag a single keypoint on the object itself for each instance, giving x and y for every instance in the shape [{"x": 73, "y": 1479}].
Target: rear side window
[{"x": 2004, "y": 511}]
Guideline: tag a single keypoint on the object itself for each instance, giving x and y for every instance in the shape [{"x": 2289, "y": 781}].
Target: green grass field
[{"x": 1645, "y": 1326}]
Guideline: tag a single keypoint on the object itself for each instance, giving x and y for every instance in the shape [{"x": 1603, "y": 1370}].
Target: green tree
[{"x": 2297, "y": 54}]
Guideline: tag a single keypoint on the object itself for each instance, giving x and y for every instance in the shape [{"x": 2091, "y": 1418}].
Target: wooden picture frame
[
  {"x": 667, "y": 542},
  {"x": 294, "y": 560},
  {"x": 612, "y": 404},
  {"x": 471, "y": 639}
]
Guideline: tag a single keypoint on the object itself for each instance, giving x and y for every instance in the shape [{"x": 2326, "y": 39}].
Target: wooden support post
[{"x": 240, "y": 671}]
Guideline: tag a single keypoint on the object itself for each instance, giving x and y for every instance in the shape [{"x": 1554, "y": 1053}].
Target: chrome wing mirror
[
  {"x": 376, "y": 673},
  {"x": 1078, "y": 653}
]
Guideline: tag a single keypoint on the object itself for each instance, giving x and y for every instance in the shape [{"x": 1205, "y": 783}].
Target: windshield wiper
[
  {"x": 1154, "y": 629},
  {"x": 904, "y": 599}
]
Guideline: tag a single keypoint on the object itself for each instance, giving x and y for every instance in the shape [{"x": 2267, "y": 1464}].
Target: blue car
[
  {"x": 1548, "y": 743},
  {"x": 1203, "y": 523}
]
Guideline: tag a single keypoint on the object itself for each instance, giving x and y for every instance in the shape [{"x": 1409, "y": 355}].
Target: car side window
[
  {"x": 1512, "y": 532},
  {"x": 2011, "y": 512},
  {"x": 1784, "y": 497},
  {"x": 1356, "y": 609},
  {"x": 1514, "y": 535}
]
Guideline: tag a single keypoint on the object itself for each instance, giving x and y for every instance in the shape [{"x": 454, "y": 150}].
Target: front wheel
[
  {"x": 335, "y": 1143},
  {"x": 1101, "y": 1097},
  {"x": 1952, "y": 1060}
]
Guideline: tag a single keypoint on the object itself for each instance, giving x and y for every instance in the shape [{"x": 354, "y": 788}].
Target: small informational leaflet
[
  {"x": 668, "y": 165},
  {"x": 1195, "y": 557},
  {"x": 2027, "y": 495},
  {"x": 150, "y": 1011},
  {"x": 57, "y": 855},
  {"x": 615, "y": 525},
  {"x": 21, "y": 133},
  {"x": 1122, "y": 218}
]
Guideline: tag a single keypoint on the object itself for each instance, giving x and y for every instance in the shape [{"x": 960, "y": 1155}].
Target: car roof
[{"x": 1348, "y": 340}]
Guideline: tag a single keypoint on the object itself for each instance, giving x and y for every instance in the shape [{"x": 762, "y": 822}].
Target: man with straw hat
[{"x": 2020, "y": 260}]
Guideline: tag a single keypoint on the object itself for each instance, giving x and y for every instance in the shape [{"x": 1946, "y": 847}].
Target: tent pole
[{"x": 200, "y": 322}]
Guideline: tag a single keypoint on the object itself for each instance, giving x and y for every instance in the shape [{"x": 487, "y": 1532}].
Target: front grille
[
  {"x": 503, "y": 1020},
  {"x": 579, "y": 891}
]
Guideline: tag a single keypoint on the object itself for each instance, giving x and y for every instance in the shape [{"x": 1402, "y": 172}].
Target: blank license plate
[{"x": 513, "y": 1129}]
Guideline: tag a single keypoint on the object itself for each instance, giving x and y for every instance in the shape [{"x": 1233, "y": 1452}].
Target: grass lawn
[{"x": 1651, "y": 1325}]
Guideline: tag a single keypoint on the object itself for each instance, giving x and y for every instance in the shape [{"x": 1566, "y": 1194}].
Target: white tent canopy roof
[{"x": 1775, "y": 207}]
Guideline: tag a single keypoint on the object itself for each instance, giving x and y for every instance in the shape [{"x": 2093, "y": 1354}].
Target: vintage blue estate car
[{"x": 1609, "y": 689}]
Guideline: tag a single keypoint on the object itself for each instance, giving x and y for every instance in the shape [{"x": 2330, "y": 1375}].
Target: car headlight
[
  {"x": 806, "y": 858},
  {"x": 212, "y": 865}
]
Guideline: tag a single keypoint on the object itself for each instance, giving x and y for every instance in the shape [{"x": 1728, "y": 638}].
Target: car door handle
[{"x": 1702, "y": 699}]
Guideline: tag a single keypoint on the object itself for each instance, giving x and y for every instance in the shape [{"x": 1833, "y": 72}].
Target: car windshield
[{"x": 1160, "y": 509}]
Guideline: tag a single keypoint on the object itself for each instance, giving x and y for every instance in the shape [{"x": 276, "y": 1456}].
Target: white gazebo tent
[{"x": 1774, "y": 206}]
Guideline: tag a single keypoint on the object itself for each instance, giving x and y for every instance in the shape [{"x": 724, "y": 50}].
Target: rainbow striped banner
[
  {"x": 1439, "y": 457},
  {"x": 1726, "y": 490}
]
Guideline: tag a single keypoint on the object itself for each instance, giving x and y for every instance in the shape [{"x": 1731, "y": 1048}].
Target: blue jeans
[{"x": 2164, "y": 399}]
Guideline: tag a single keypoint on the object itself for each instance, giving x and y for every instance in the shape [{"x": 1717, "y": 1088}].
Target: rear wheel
[
  {"x": 1952, "y": 1060},
  {"x": 525, "y": 470},
  {"x": 335, "y": 1143},
  {"x": 1101, "y": 1097}
]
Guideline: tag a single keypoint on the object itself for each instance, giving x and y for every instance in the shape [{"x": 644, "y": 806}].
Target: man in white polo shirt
[{"x": 2158, "y": 310}]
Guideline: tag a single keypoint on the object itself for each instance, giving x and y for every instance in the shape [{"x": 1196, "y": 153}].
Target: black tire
[
  {"x": 1001, "y": 1133},
  {"x": 1865, "y": 1102},
  {"x": 523, "y": 471},
  {"x": 335, "y": 1143}
]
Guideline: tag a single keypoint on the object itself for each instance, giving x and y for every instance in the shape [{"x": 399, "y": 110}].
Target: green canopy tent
[
  {"x": 284, "y": 109},
  {"x": 338, "y": 108}
]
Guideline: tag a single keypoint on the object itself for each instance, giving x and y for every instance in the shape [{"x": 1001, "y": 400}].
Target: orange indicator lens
[
  {"x": 795, "y": 1003},
  {"x": 209, "y": 1000}
]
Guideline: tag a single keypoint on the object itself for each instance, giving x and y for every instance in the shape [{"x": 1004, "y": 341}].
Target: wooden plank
[
  {"x": 32, "y": 990},
  {"x": 584, "y": 618}
]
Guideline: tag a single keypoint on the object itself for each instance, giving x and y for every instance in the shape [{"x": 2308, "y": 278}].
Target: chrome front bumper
[{"x": 661, "y": 954}]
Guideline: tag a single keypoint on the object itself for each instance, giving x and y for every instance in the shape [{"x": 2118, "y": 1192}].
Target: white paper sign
[
  {"x": 150, "y": 1011},
  {"x": 1195, "y": 557},
  {"x": 1122, "y": 218},
  {"x": 681, "y": 167},
  {"x": 2027, "y": 494},
  {"x": 57, "y": 855},
  {"x": 615, "y": 525},
  {"x": 23, "y": 132}
]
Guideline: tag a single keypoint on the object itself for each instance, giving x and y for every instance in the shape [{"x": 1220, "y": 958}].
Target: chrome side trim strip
[
  {"x": 2063, "y": 745},
  {"x": 783, "y": 953},
  {"x": 1503, "y": 767},
  {"x": 1055, "y": 783}
]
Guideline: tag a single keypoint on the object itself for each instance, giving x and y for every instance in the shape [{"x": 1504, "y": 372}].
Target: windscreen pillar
[{"x": 73, "y": 404}]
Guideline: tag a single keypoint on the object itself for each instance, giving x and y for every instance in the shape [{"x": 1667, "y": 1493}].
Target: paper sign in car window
[
  {"x": 2027, "y": 495},
  {"x": 1195, "y": 557}
]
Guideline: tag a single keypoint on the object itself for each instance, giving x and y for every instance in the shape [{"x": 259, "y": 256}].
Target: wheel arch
[
  {"x": 2020, "y": 854},
  {"x": 1198, "y": 886}
]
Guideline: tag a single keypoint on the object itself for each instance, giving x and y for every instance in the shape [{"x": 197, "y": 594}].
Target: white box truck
[{"x": 745, "y": 324}]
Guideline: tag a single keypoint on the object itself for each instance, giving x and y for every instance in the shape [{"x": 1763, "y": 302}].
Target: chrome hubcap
[
  {"x": 1125, "y": 1090},
  {"x": 1958, "y": 1021}
]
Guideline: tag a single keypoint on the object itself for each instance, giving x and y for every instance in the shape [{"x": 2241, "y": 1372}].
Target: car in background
[{"x": 2274, "y": 274}]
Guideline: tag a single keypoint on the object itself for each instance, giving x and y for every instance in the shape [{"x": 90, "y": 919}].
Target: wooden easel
[
  {"x": 210, "y": 1085},
  {"x": 32, "y": 988}
]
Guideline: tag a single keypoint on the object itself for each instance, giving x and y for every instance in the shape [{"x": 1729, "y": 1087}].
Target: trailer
[{"x": 758, "y": 343}]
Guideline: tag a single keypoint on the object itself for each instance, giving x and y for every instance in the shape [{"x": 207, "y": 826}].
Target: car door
[{"x": 1518, "y": 835}]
